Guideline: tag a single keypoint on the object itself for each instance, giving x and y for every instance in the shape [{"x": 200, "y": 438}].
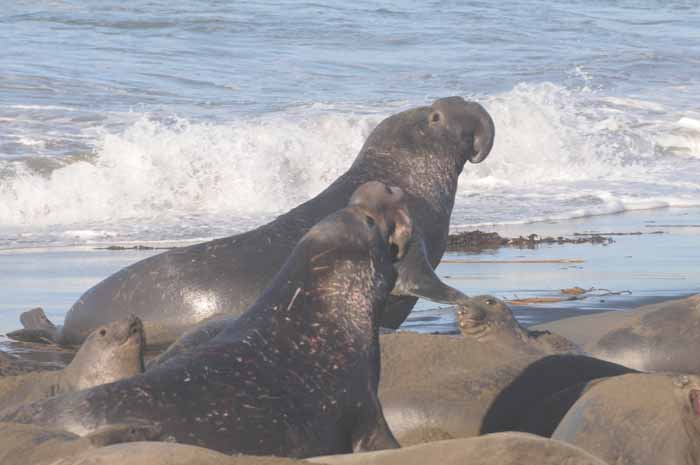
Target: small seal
[
  {"x": 112, "y": 352},
  {"x": 296, "y": 375},
  {"x": 488, "y": 319},
  {"x": 422, "y": 151}
]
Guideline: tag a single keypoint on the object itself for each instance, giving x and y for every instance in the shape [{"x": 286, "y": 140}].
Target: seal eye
[
  {"x": 103, "y": 332},
  {"x": 369, "y": 220},
  {"x": 435, "y": 117},
  {"x": 490, "y": 302},
  {"x": 394, "y": 252}
]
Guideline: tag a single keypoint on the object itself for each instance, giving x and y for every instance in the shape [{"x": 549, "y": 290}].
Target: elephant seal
[
  {"x": 296, "y": 375},
  {"x": 34, "y": 445},
  {"x": 165, "y": 453},
  {"x": 416, "y": 276},
  {"x": 422, "y": 151},
  {"x": 491, "y": 449},
  {"x": 110, "y": 353},
  {"x": 487, "y": 319},
  {"x": 463, "y": 387},
  {"x": 637, "y": 419},
  {"x": 659, "y": 337}
]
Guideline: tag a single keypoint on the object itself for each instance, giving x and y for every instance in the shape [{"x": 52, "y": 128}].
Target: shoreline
[{"x": 652, "y": 266}]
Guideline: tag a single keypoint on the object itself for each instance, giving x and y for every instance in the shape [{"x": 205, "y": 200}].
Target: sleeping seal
[
  {"x": 296, "y": 375},
  {"x": 659, "y": 337},
  {"x": 637, "y": 419},
  {"x": 422, "y": 151},
  {"x": 110, "y": 353}
]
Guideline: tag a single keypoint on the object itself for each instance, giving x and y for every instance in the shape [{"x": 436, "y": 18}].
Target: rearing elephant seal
[
  {"x": 110, "y": 353},
  {"x": 296, "y": 375},
  {"x": 422, "y": 151}
]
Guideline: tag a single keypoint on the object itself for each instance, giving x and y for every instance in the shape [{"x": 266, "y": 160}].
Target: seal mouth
[
  {"x": 135, "y": 330},
  {"x": 478, "y": 157},
  {"x": 469, "y": 322}
]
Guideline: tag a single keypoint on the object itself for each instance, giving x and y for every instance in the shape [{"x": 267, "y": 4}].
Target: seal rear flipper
[
  {"x": 41, "y": 336},
  {"x": 37, "y": 328}
]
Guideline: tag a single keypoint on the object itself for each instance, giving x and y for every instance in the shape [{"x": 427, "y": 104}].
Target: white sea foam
[{"x": 559, "y": 153}]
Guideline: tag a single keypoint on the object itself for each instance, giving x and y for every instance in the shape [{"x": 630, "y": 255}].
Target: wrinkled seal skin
[
  {"x": 487, "y": 318},
  {"x": 637, "y": 419},
  {"x": 491, "y": 449},
  {"x": 422, "y": 151},
  {"x": 296, "y": 375},
  {"x": 110, "y": 353}
]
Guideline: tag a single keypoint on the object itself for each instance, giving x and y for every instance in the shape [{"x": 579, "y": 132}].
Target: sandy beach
[{"x": 653, "y": 257}]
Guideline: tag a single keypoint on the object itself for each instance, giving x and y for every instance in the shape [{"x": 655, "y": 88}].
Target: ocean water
[{"x": 179, "y": 120}]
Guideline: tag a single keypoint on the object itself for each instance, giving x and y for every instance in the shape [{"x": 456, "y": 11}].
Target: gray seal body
[{"x": 422, "y": 151}]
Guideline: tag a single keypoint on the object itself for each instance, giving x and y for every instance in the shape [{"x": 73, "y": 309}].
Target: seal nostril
[
  {"x": 394, "y": 252},
  {"x": 103, "y": 332},
  {"x": 369, "y": 220}
]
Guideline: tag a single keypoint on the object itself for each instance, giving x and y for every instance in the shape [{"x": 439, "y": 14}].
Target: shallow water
[{"x": 178, "y": 120}]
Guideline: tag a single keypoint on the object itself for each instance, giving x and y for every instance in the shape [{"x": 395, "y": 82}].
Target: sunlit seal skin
[
  {"x": 637, "y": 419},
  {"x": 422, "y": 151},
  {"x": 491, "y": 449},
  {"x": 465, "y": 387},
  {"x": 37, "y": 445},
  {"x": 487, "y": 319},
  {"x": 659, "y": 337},
  {"x": 110, "y": 353},
  {"x": 415, "y": 275},
  {"x": 296, "y": 375},
  {"x": 167, "y": 453}
]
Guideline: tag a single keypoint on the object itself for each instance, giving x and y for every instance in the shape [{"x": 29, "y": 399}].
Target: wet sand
[{"x": 653, "y": 267}]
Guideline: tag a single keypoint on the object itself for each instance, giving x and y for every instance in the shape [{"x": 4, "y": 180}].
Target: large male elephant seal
[
  {"x": 455, "y": 386},
  {"x": 110, "y": 353},
  {"x": 659, "y": 337},
  {"x": 637, "y": 419},
  {"x": 422, "y": 151},
  {"x": 491, "y": 449},
  {"x": 296, "y": 375}
]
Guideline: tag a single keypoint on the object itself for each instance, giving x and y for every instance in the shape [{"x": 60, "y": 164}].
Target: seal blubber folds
[
  {"x": 422, "y": 151},
  {"x": 296, "y": 375}
]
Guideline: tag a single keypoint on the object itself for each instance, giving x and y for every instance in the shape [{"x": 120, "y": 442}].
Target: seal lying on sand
[
  {"x": 659, "y": 337},
  {"x": 35, "y": 445},
  {"x": 296, "y": 375},
  {"x": 422, "y": 151},
  {"x": 461, "y": 387},
  {"x": 110, "y": 353},
  {"x": 491, "y": 449},
  {"x": 165, "y": 453},
  {"x": 487, "y": 318},
  {"x": 637, "y": 419}
]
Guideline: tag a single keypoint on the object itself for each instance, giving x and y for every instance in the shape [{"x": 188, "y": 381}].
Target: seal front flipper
[
  {"x": 374, "y": 434},
  {"x": 418, "y": 279},
  {"x": 37, "y": 328}
]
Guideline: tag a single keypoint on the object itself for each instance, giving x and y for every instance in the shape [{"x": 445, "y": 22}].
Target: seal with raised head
[
  {"x": 296, "y": 375},
  {"x": 489, "y": 319},
  {"x": 637, "y": 419},
  {"x": 416, "y": 276},
  {"x": 112, "y": 352},
  {"x": 422, "y": 151},
  {"x": 659, "y": 337}
]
